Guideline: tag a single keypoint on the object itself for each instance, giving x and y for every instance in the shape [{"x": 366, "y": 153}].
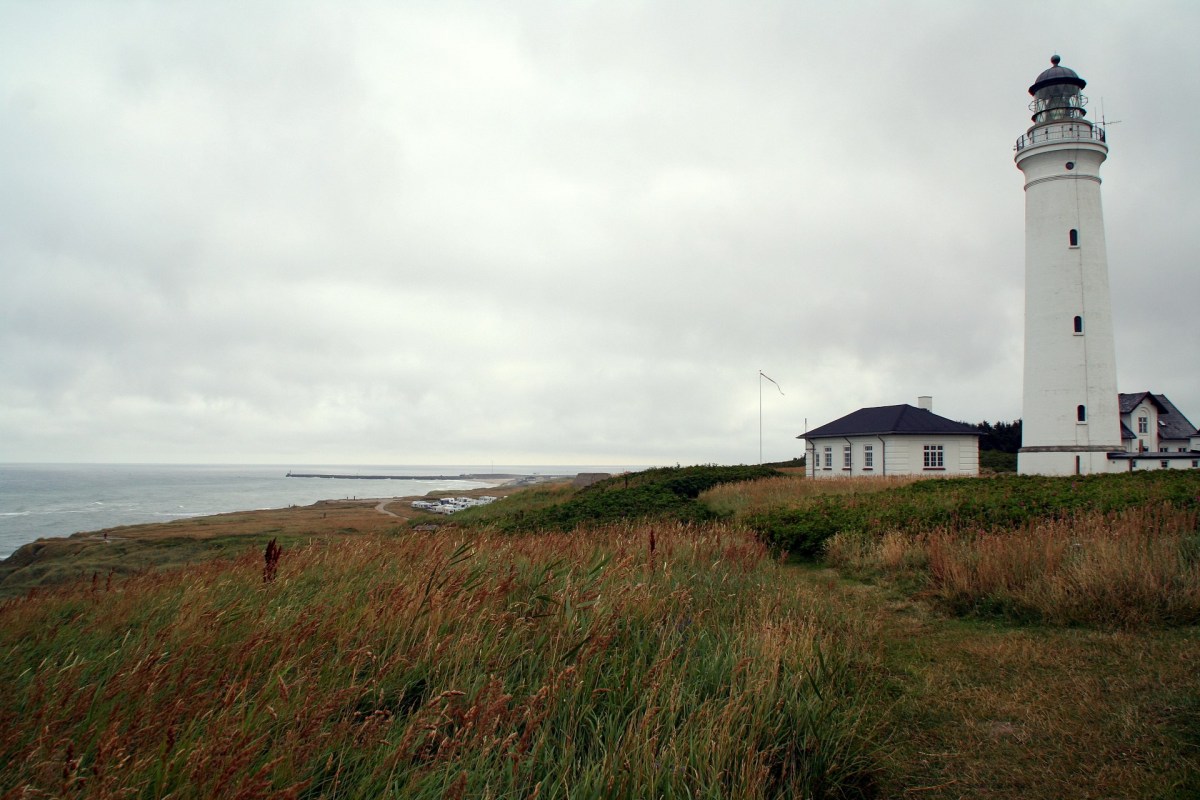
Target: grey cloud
[{"x": 546, "y": 232}]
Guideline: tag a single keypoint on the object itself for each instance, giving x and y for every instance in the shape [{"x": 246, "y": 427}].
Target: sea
[{"x": 53, "y": 500}]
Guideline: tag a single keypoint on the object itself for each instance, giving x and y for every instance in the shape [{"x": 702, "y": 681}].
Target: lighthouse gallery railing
[{"x": 1059, "y": 133}]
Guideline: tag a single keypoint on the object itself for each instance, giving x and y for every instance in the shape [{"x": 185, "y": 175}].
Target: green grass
[
  {"x": 528, "y": 502},
  {"x": 746, "y": 499},
  {"x": 650, "y": 656},
  {"x": 137, "y": 548},
  {"x": 552, "y": 665},
  {"x": 58, "y": 561},
  {"x": 999, "y": 503},
  {"x": 662, "y": 493},
  {"x": 1139, "y": 567}
]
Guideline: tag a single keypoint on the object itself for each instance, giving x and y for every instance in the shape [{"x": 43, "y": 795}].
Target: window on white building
[
  {"x": 846, "y": 458},
  {"x": 829, "y": 457},
  {"x": 868, "y": 456},
  {"x": 934, "y": 456},
  {"x": 1143, "y": 424}
]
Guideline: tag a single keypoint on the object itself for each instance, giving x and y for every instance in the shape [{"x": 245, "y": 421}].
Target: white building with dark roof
[
  {"x": 1156, "y": 434},
  {"x": 892, "y": 440}
]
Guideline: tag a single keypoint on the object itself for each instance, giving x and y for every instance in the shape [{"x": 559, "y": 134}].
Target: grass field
[
  {"x": 671, "y": 661},
  {"x": 1053, "y": 653}
]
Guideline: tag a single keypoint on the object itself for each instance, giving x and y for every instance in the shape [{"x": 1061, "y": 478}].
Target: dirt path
[{"x": 983, "y": 710}]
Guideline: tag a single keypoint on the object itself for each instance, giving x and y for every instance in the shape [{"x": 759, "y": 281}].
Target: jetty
[
  {"x": 487, "y": 477},
  {"x": 480, "y": 476}
]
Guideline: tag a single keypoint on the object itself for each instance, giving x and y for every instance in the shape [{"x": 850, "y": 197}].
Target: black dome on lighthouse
[{"x": 1057, "y": 76}]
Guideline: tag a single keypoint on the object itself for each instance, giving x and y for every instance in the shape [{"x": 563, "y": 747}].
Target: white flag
[{"x": 772, "y": 380}]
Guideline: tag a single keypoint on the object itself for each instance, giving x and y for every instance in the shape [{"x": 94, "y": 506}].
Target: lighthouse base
[{"x": 1067, "y": 461}]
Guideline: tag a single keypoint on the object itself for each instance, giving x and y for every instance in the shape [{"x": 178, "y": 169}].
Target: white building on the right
[
  {"x": 1070, "y": 418},
  {"x": 1073, "y": 420},
  {"x": 1157, "y": 435}
]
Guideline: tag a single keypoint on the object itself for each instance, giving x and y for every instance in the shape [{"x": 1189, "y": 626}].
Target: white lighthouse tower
[{"x": 1071, "y": 414}]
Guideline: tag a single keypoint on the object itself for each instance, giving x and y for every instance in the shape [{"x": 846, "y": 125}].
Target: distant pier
[
  {"x": 491, "y": 476},
  {"x": 483, "y": 476}
]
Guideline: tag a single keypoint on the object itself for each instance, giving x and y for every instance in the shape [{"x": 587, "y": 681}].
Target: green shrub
[
  {"x": 997, "y": 461},
  {"x": 660, "y": 493}
]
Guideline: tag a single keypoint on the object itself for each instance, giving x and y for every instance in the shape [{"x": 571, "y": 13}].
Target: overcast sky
[{"x": 555, "y": 232}]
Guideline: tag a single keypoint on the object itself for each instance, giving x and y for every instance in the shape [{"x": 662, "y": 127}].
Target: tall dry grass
[
  {"x": 1140, "y": 566},
  {"x": 792, "y": 491},
  {"x": 625, "y": 661}
]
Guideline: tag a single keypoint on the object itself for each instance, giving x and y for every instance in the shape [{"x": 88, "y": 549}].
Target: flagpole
[
  {"x": 760, "y": 417},
  {"x": 761, "y": 375}
]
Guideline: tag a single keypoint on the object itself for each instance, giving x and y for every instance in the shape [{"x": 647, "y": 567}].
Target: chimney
[{"x": 925, "y": 401}]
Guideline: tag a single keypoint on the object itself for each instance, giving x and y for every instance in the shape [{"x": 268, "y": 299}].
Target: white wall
[
  {"x": 893, "y": 455},
  {"x": 1068, "y": 463},
  {"x": 1144, "y": 441},
  {"x": 1150, "y": 463},
  {"x": 1064, "y": 369}
]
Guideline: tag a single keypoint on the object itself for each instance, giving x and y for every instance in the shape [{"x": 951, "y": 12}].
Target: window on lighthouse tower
[
  {"x": 1080, "y": 413},
  {"x": 1078, "y": 324},
  {"x": 1073, "y": 237}
]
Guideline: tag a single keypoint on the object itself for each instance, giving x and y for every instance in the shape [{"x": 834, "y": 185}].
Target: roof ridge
[{"x": 898, "y": 418}]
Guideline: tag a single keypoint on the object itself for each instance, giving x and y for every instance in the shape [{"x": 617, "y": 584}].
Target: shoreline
[
  {"x": 57, "y": 502},
  {"x": 122, "y": 549}
]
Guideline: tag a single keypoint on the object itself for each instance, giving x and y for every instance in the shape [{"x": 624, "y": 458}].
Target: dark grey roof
[
  {"x": 1129, "y": 400},
  {"x": 902, "y": 419},
  {"x": 1057, "y": 75},
  {"x": 1172, "y": 424},
  {"x": 1126, "y": 433}
]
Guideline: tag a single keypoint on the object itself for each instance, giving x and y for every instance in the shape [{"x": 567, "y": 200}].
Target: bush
[
  {"x": 660, "y": 493},
  {"x": 997, "y": 461}
]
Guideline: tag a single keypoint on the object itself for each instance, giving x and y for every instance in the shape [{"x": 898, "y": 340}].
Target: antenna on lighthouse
[{"x": 1104, "y": 121}]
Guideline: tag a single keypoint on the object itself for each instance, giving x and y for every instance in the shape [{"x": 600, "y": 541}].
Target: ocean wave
[
  {"x": 56, "y": 502},
  {"x": 43, "y": 512}
]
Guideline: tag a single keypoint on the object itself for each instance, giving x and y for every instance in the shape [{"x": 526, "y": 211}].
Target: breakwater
[{"x": 489, "y": 476}]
